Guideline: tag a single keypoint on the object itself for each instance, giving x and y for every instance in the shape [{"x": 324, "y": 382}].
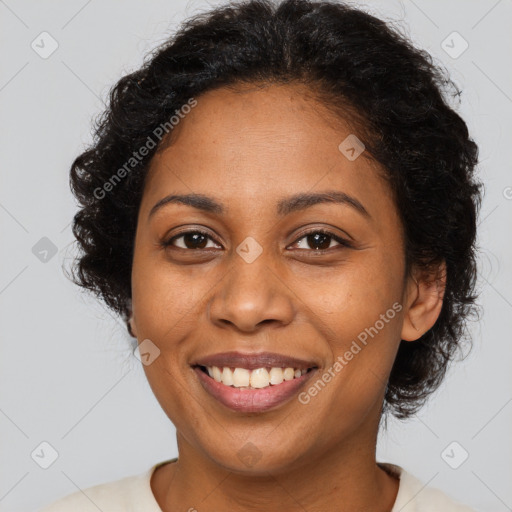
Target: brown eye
[
  {"x": 190, "y": 240},
  {"x": 320, "y": 240}
]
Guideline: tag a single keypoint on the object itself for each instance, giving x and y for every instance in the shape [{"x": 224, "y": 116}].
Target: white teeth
[
  {"x": 217, "y": 374},
  {"x": 241, "y": 377},
  {"x": 276, "y": 376},
  {"x": 260, "y": 378},
  {"x": 227, "y": 376},
  {"x": 288, "y": 373},
  {"x": 256, "y": 379}
]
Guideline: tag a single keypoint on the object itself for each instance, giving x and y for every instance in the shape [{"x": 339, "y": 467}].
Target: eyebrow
[{"x": 286, "y": 206}]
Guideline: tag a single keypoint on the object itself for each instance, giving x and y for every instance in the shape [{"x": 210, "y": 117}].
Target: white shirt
[{"x": 134, "y": 494}]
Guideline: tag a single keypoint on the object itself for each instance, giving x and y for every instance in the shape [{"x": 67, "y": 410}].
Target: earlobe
[
  {"x": 131, "y": 323},
  {"x": 131, "y": 327},
  {"x": 425, "y": 297}
]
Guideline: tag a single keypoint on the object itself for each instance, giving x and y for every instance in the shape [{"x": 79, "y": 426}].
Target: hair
[{"x": 359, "y": 67}]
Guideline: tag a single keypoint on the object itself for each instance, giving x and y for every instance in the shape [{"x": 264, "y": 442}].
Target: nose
[{"x": 251, "y": 295}]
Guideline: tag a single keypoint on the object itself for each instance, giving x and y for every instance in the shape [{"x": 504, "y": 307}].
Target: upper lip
[{"x": 252, "y": 361}]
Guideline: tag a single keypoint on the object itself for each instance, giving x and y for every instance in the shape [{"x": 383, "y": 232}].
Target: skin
[{"x": 248, "y": 149}]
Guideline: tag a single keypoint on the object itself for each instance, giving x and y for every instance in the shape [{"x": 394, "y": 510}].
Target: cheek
[
  {"x": 163, "y": 298},
  {"x": 349, "y": 298},
  {"x": 361, "y": 323},
  {"x": 357, "y": 309}
]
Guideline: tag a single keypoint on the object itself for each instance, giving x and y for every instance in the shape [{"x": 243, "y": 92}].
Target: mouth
[
  {"x": 259, "y": 378},
  {"x": 253, "y": 383}
]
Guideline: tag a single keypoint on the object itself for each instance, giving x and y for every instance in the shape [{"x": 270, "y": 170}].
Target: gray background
[{"x": 67, "y": 373}]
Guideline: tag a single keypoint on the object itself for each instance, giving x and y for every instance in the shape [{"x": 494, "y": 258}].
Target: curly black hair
[{"x": 358, "y": 66}]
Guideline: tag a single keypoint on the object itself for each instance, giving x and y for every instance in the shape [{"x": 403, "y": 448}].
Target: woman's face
[{"x": 254, "y": 281}]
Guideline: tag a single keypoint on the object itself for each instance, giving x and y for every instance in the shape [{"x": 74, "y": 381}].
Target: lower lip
[{"x": 252, "y": 400}]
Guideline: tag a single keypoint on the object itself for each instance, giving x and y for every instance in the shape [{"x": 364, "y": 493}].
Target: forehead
[{"x": 254, "y": 144}]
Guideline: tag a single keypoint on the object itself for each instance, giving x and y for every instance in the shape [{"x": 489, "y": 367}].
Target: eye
[
  {"x": 195, "y": 239},
  {"x": 317, "y": 240},
  {"x": 320, "y": 240}
]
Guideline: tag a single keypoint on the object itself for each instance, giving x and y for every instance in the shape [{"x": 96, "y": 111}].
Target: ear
[
  {"x": 131, "y": 322},
  {"x": 424, "y": 300},
  {"x": 131, "y": 327}
]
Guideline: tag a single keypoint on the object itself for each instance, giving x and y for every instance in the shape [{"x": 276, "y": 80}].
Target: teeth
[
  {"x": 227, "y": 376},
  {"x": 276, "y": 376},
  {"x": 260, "y": 378},
  {"x": 241, "y": 377},
  {"x": 288, "y": 373},
  {"x": 255, "y": 379},
  {"x": 216, "y": 374}
]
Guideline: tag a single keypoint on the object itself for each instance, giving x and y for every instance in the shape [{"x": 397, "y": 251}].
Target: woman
[{"x": 281, "y": 204}]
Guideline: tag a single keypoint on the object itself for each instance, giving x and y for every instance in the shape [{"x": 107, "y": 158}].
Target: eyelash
[{"x": 343, "y": 242}]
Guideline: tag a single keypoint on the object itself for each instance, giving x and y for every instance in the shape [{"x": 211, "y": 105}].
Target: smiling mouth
[{"x": 258, "y": 378}]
